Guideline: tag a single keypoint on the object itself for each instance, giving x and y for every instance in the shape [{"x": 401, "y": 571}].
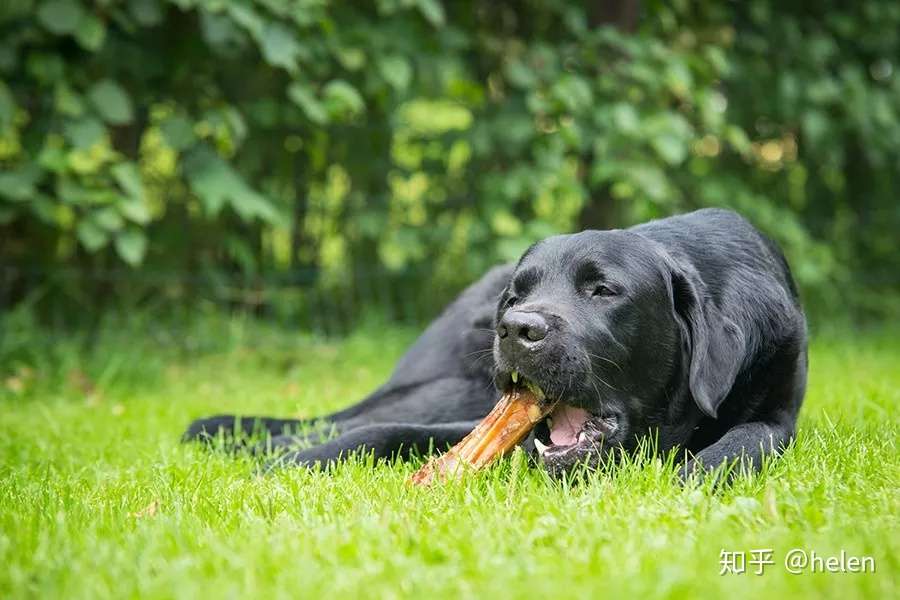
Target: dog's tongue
[{"x": 566, "y": 422}]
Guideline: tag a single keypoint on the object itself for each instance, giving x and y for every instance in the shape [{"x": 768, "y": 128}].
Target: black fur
[{"x": 688, "y": 329}]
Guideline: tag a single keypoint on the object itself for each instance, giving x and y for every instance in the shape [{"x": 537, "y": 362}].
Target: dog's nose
[{"x": 522, "y": 327}]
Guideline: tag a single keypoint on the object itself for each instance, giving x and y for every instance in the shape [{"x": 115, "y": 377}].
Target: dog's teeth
[
  {"x": 540, "y": 446},
  {"x": 515, "y": 377},
  {"x": 582, "y": 437}
]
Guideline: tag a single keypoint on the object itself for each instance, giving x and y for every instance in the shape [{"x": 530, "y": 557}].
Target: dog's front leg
[{"x": 743, "y": 447}]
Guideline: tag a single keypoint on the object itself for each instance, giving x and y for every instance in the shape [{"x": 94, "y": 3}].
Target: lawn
[{"x": 98, "y": 499}]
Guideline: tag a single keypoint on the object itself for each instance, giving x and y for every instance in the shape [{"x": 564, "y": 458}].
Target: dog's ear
[{"x": 715, "y": 345}]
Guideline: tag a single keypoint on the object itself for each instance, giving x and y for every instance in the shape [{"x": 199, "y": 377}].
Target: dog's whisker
[
  {"x": 604, "y": 382},
  {"x": 609, "y": 360},
  {"x": 596, "y": 389}
]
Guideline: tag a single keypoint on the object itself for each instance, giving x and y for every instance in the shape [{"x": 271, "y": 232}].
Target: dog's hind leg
[
  {"x": 237, "y": 429},
  {"x": 382, "y": 440}
]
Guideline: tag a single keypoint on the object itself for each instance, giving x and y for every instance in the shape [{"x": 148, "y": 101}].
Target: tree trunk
[{"x": 601, "y": 210}]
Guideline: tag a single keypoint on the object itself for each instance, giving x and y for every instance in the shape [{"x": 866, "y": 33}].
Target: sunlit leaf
[
  {"x": 112, "y": 102},
  {"x": 68, "y": 102},
  {"x": 178, "y": 132},
  {"x": 670, "y": 148},
  {"x": 679, "y": 78},
  {"x": 92, "y": 236},
  {"x": 222, "y": 33},
  {"x": 134, "y": 205},
  {"x": 352, "y": 59},
  {"x": 433, "y": 11},
  {"x": 109, "y": 218},
  {"x": 279, "y": 46},
  {"x": 131, "y": 246},
  {"x": 60, "y": 16},
  {"x": 304, "y": 97},
  {"x": 625, "y": 117},
  {"x": 129, "y": 179},
  {"x": 246, "y": 17},
  {"x": 396, "y": 71},
  {"x": 342, "y": 98},
  {"x": 520, "y": 74},
  {"x": 84, "y": 133},
  {"x": 91, "y": 33},
  {"x": 216, "y": 183},
  {"x": 19, "y": 184}
]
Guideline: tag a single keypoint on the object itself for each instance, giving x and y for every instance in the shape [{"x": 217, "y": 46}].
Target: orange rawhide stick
[{"x": 517, "y": 412}]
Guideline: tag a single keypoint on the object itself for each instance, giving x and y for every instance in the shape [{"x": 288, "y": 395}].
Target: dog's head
[{"x": 617, "y": 331}]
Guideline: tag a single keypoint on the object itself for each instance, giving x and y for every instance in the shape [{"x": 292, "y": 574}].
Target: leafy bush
[{"x": 269, "y": 137}]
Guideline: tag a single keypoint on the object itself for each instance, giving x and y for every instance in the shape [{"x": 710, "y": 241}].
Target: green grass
[{"x": 98, "y": 499}]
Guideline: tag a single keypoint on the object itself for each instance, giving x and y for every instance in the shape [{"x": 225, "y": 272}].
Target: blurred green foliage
[{"x": 271, "y": 137}]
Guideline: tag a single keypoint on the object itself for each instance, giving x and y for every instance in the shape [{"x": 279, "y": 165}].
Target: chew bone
[{"x": 517, "y": 412}]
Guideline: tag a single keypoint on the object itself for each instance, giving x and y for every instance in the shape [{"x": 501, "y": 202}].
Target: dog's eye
[
  {"x": 603, "y": 290},
  {"x": 511, "y": 301}
]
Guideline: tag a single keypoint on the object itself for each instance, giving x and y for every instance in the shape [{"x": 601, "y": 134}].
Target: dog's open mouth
[
  {"x": 561, "y": 429},
  {"x": 567, "y": 428}
]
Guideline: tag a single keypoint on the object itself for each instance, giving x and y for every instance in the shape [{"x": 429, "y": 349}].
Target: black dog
[{"x": 688, "y": 329}]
